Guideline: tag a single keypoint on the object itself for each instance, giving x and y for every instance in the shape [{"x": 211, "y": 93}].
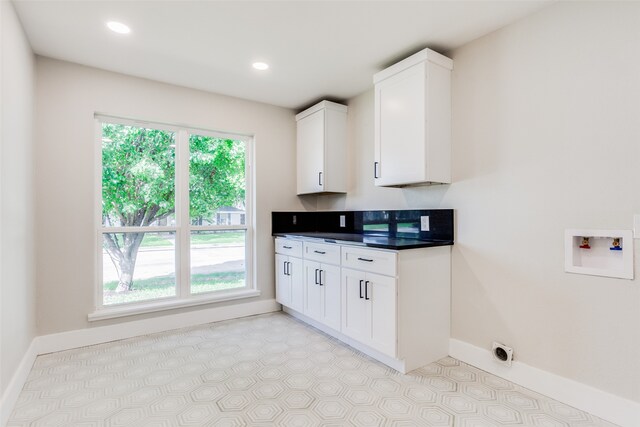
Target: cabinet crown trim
[
  {"x": 416, "y": 58},
  {"x": 323, "y": 105}
]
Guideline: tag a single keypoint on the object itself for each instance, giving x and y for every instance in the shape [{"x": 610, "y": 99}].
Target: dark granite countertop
[
  {"x": 391, "y": 229},
  {"x": 372, "y": 241}
]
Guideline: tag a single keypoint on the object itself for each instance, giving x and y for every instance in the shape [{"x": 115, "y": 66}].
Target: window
[{"x": 175, "y": 214}]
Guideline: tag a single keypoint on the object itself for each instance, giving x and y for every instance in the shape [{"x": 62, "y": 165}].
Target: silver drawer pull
[
  {"x": 288, "y": 247},
  {"x": 365, "y": 259},
  {"x": 320, "y": 252}
]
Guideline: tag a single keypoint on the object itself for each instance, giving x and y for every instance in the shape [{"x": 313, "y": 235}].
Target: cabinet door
[
  {"x": 356, "y": 312},
  {"x": 382, "y": 296},
  {"x": 313, "y": 290},
  {"x": 400, "y": 128},
  {"x": 296, "y": 276},
  {"x": 310, "y": 153},
  {"x": 283, "y": 280},
  {"x": 331, "y": 295}
]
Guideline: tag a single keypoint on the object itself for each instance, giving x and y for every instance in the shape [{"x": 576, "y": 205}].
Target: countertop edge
[{"x": 414, "y": 245}]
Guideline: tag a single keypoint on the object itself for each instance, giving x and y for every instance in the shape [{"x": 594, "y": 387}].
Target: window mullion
[{"x": 183, "y": 269}]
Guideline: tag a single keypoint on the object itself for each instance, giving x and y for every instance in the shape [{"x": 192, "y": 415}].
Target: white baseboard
[
  {"x": 12, "y": 392},
  {"x": 101, "y": 334},
  {"x": 615, "y": 409}
]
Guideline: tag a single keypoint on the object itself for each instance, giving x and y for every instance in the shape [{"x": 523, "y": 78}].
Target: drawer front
[
  {"x": 374, "y": 261},
  {"x": 322, "y": 252},
  {"x": 289, "y": 247}
]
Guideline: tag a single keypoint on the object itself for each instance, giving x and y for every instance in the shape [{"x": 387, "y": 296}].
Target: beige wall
[
  {"x": 17, "y": 263},
  {"x": 68, "y": 95},
  {"x": 546, "y": 136}
]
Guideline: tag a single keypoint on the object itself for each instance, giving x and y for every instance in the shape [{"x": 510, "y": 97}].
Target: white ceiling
[{"x": 316, "y": 49}]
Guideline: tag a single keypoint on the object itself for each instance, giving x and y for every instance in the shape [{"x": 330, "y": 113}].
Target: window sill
[{"x": 153, "y": 306}]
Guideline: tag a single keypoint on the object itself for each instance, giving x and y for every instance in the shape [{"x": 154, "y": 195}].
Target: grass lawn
[
  {"x": 218, "y": 237},
  {"x": 201, "y": 237},
  {"x": 156, "y": 240},
  {"x": 163, "y": 240},
  {"x": 165, "y": 286}
]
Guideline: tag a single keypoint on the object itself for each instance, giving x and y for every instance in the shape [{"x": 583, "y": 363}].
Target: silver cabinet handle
[
  {"x": 366, "y": 290},
  {"x": 320, "y": 252},
  {"x": 365, "y": 259},
  {"x": 288, "y": 247}
]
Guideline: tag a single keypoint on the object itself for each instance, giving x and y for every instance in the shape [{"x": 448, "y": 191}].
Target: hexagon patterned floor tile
[{"x": 268, "y": 370}]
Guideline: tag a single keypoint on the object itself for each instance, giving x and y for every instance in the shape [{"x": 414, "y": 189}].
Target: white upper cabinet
[
  {"x": 322, "y": 149},
  {"x": 413, "y": 121}
]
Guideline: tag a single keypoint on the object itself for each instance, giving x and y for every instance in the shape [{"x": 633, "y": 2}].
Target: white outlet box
[
  {"x": 424, "y": 223},
  {"x": 343, "y": 221}
]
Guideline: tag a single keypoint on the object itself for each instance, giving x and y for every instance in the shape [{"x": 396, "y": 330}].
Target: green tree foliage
[
  {"x": 138, "y": 184},
  {"x": 216, "y": 175},
  {"x": 138, "y": 175}
]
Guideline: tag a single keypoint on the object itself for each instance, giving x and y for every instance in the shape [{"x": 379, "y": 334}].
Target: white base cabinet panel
[
  {"x": 424, "y": 305},
  {"x": 322, "y": 301},
  {"x": 283, "y": 281},
  {"x": 289, "y": 281},
  {"x": 369, "y": 309},
  {"x": 289, "y": 274}
]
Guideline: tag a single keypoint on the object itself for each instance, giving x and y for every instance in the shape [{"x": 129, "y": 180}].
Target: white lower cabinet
[
  {"x": 322, "y": 299},
  {"x": 289, "y": 281},
  {"x": 289, "y": 274},
  {"x": 392, "y": 305},
  {"x": 369, "y": 309},
  {"x": 283, "y": 281}
]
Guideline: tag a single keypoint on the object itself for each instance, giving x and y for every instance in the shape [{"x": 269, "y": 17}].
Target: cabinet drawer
[
  {"x": 322, "y": 252},
  {"x": 289, "y": 247},
  {"x": 371, "y": 260}
]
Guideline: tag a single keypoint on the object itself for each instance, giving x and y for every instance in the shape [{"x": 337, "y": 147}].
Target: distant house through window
[
  {"x": 228, "y": 215},
  {"x": 173, "y": 212}
]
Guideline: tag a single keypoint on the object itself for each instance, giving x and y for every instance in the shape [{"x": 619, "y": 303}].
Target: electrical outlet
[
  {"x": 424, "y": 223},
  {"x": 343, "y": 221}
]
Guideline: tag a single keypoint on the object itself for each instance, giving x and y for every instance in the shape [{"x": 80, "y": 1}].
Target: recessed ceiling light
[
  {"x": 260, "y": 66},
  {"x": 118, "y": 27}
]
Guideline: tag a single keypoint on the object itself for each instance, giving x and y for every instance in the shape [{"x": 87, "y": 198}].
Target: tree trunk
[
  {"x": 126, "y": 267},
  {"x": 124, "y": 256},
  {"x": 131, "y": 244}
]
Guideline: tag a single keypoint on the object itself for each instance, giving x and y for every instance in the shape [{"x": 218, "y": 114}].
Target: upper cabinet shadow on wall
[
  {"x": 413, "y": 121},
  {"x": 322, "y": 149}
]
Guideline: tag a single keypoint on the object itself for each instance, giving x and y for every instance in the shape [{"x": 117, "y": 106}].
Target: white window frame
[{"x": 183, "y": 227}]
